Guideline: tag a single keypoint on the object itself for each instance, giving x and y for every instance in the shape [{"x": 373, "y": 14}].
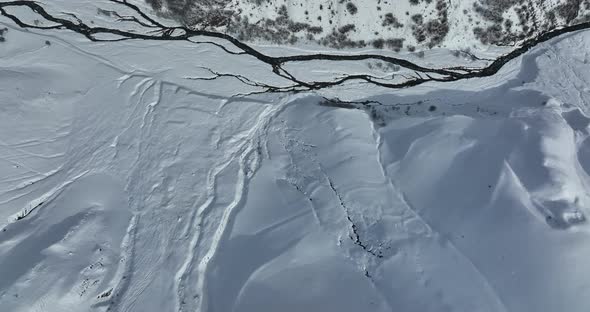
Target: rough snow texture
[
  {"x": 126, "y": 187},
  {"x": 381, "y": 24}
]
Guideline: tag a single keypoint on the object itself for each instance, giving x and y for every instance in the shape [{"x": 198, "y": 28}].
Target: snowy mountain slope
[
  {"x": 128, "y": 187},
  {"x": 497, "y": 198}
]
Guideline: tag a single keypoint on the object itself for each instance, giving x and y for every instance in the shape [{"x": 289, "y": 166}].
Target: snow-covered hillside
[
  {"x": 130, "y": 181},
  {"x": 396, "y": 25}
]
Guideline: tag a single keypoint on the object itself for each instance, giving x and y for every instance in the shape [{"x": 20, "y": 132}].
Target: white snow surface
[{"x": 126, "y": 187}]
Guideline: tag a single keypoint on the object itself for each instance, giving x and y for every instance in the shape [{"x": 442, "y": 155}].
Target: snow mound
[{"x": 67, "y": 249}]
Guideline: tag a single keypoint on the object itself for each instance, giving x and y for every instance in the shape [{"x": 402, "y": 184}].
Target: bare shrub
[
  {"x": 351, "y": 8},
  {"x": 390, "y": 20}
]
